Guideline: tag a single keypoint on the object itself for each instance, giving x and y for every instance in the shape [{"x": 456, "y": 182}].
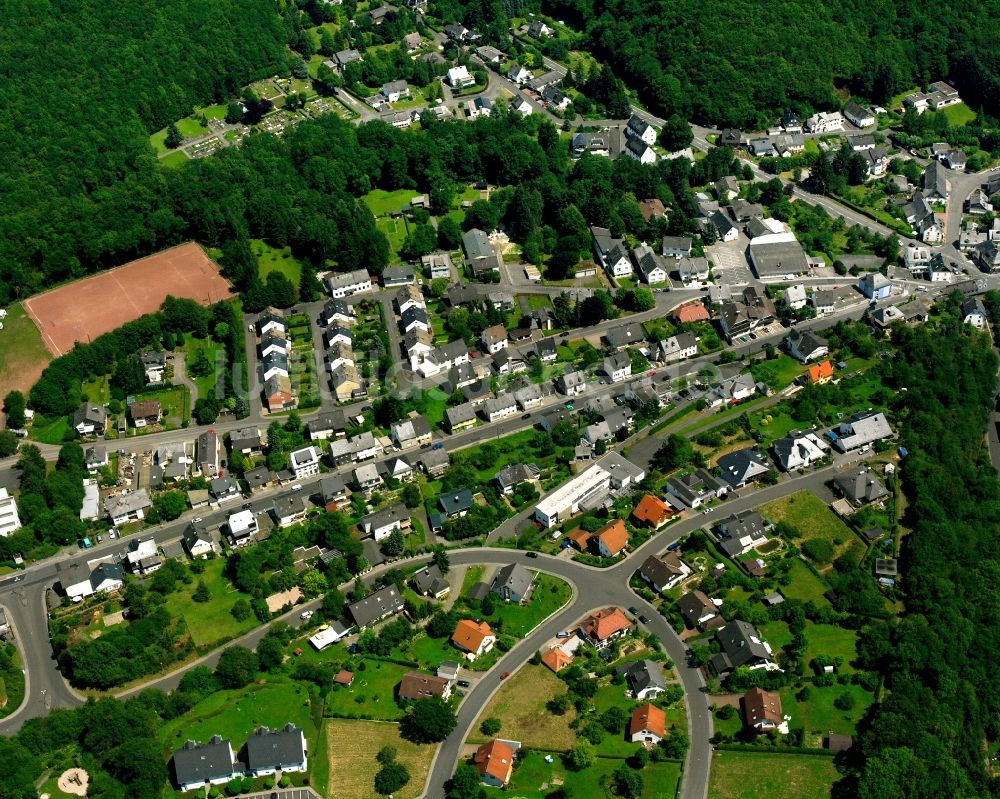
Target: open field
[
  {"x": 383, "y": 203},
  {"x": 958, "y": 115},
  {"x": 813, "y": 518},
  {"x": 372, "y": 693},
  {"x": 805, "y": 585},
  {"x": 271, "y": 259},
  {"x": 83, "y": 310},
  {"x": 174, "y": 159},
  {"x": 659, "y": 779},
  {"x": 828, "y": 639},
  {"x": 236, "y": 714},
  {"x": 748, "y": 775},
  {"x": 819, "y": 715},
  {"x": 211, "y": 621},
  {"x": 520, "y": 706},
  {"x": 351, "y": 749},
  {"x": 23, "y": 354}
]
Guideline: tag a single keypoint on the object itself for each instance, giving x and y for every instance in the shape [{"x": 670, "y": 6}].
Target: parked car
[
  {"x": 306, "y": 614},
  {"x": 532, "y": 554},
  {"x": 634, "y": 610},
  {"x": 464, "y": 683},
  {"x": 644, "y": 619}
]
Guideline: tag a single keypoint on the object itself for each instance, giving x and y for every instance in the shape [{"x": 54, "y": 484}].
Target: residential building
[
  {"x": 10, "y": 522},
  {"x": 459, "y": 77},
  {"x": 331, "y": 424},
  {"x": 640, "y": 151},
  {"x": 936, "y": 184},
  {"x": 378, "y": 605},
  {"x": 743, "y": 466},
  {"x": 95, "y": 458},
  {"x": 652, "y": 512},
  {"x": 675, "y": 247},
  {"x": 398, "y": 275},
  {"x": 648, "y": 725},
  {"x": 860, "y": 430},
  {"x": 733, "y": 389},
  {"x": 859, "y": 115},
  {"x": 762, "y": 710},
  {"x": 594, "y": 143},
  {"x": 495, "y": 763},
  {"x": 513, "y": 583},
  {"x": 289, "y": 509},
  {"x": 875, "y": 286},
  {"x": 435, "y": 462},
  {"x": 622, "y": 473},
  {"x": 281, "y": 750},
  {"x": 130, "y": 506},
  {"x": 501, "y": 407},
  {"x": 691, "y": 312},
  {"x": 416, "y": 686},
  {"x": 208, "y": 453},
  {"x": 742, "y": 645},
  {"x": 663, "y": 573},
  {"x": 143, "y": 556},
  {"x": 90, "y": 419},
  {"x": 692, "y": 271},
  {"x": 395, "y": 90},
  {"x": 271, "y": 321},
  {"x": 611, "y": 540},
  {"x": 460, "y": 417},
  {"x": 382, "y": 523},
  {"x": 618, "y": 367},
  {"x": 438, "y": 264},
  {"x": 676, "y": 348},
  {"x": 798, "y": 450},
  {"x": 199, "y": 765},
  {"x": 696, "y": 488},
  {"x": 644, "y": 678},
  {"x": 106, "y": 578},
  {"x": 479, "y": 252},
  {"x": 246, "y": 441},
  {"x": 511, "y": 476},
  {"x": 346, "y": 382},
  {"x": 198, "y": 541},
  {"x": 473, "y": 638},
  {"x": 338, "y": 312},
  {"x": 741, "y": 532},
  {"x": 414, "y": 431},
  {"x": 727, "y": 188},
  {"x": 556, "y": 659},
  {"x": 241, "y": 527},
  {"x": 430, "y": 582},
  {"x": 366, "y": 477},
  {"x": 805, "y": 346},
  {"x": 751, "y": 309},
  {"x": 571, "y": 382},
  {"x": 602, "y": 627},
  {"x": 456, "y": 503},
  {"x": 346, "y": 284},
  {"x": 697, "y": 609},
  {"x": 860, "y": 487},
  {"x": 974, "y": 313},
  {"x": 586, "y": 489},
  {"x": 825, "y": 122},
  {"x": 278, "y": 393},
  {"x": 795, "y": 297},
  {"x": 304, "y": 462},
  {"x": 724, "y": 227},
  {"x": 819, "y": 373},
  {"x": 648, "y": 265}
]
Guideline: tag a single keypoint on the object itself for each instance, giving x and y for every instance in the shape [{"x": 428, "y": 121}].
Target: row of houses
[{"x": 200, "y": 765}]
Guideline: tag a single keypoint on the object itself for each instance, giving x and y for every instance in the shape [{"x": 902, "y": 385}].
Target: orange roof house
[
  {"x": 473, "y": 638},
  {"x": 652, "y": 512},
  {"x": 762, "y": 709},
  {"x": 495, "y": 762},
  {"x": 612, "y": 539},
  {"x": 821, "y": 372},
  {"x": 602, "y": 627},
  {"x": 648, "y": 724},
  {"x": 692, "y": 312},
  {"x": 556, "y": 659},
  {"x": 579, "y": 538}
]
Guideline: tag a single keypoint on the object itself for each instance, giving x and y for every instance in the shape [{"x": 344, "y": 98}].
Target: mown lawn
[
  {"x": 549, "y": 595},
  {"x": 236, "y": 714},
  {"x": 520, "y": 706},
  {"x": 383, "y": 203},
  {"x": 210, "y": 621},
  {"x": 215, "y": 353},
  {"x": 958, "y": 115},
  {"x": 829, "y": 639},
  {"x": 749, "y": 775},
  {"x": 351, "y": 746},
  {"x": 394, "y": 230},
  {"x": 372, "y": 693},
  {"x": 191, "y": 127},
  {"x": 174, "y": 159},
  {"x": 272, "y": 259},
  {"x": 819, "y": 715},
  {"x": 659, "y": 780},
  {"x": 778, "y": 373}
]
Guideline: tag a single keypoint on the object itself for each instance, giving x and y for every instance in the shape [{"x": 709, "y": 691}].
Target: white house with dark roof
[
  {"x": 199, "y": 765},
  {"x": 304, "y": 462}
]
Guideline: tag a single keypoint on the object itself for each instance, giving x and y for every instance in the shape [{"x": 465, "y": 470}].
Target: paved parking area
[{"x": 287, "y": 793}]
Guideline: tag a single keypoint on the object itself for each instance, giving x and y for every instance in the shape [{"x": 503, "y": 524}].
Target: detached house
[
  {"x": 495, "y": 763},
  {"x": 473, "y": 638},
  {"x": 860, "y": 487},
  {"x": 743, "y": 466},
  {"x": 742, "y": 645},
  {"x": 648, "y": 725},
  {"x": 741, "y": 532},
  {"x": 382, "y": 523},
  {"x": 199, "y": 765},
  {"x": 805, "y": 346},
  {"x": 412, "y": 432},
  {"x": 376, "y": 606},
  {"x": 304, "y": 462},
  {"x": 618, "y": 367},
  {"x": 644, "y": 679},
  {"x": 603, "y": 627},
  {"x": 663, "y": 573},
  {"x": 281, "y": 750},
  {"x": 430, "y": 582},
  {"x": 90, "y": 419},
  {"x": 693, "y": 489},
  {"x": 512, "y": 583},
  {"x": 698, "y": 610},
  {"x": 799, "y": 450}
]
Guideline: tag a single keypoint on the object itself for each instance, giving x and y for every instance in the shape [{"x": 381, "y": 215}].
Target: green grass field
[
  {"x": 778, "y": 373},
  {"x": 213, "y": 351},
  {"x": 748, "y": 775},
  {"x": 52, "y": 432},
  {"x": 958, "y": 115},
  {"x": 174, "y": 159},
  {"x": 828, "y": 639},
  {"x": 536, "y": 301},
  {"x": 659, "y": 779},
  {"x": 550, "y": 594},
  {"x": 383, "y": 203},
  {"x": 11, "y": 682},
  {"x": 813, "y": 518},
  {"x": 98, "y": 390},
  {"x": 372, "y": 693},
  {"x": 819, "y": 715},
  {"x": 236, "y": 714},
  {"x": 271, "y": 259},
  {"x": 191, "y": 127},
  {"x": 217, "y": 111},
  {"x": 158, "y": 140},
  {"x": 23, "y": 355},
  {"x": 211, "y": 621},
  {"x": 394, "y": 230},
  {"x": 805, "y": 585}
]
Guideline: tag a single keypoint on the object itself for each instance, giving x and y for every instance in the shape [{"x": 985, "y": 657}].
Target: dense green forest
[
  {"x": 741, "y": 62},
  {"x": 941, "y": 661},
  {"x": 82, "y": 85}
]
